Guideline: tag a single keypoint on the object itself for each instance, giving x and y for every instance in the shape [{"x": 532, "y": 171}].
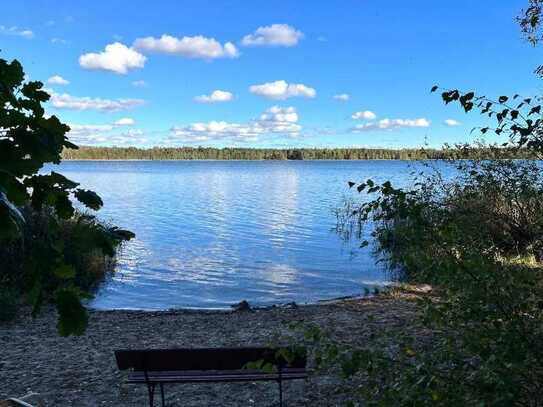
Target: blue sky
[{"x": 147, "y": 73}]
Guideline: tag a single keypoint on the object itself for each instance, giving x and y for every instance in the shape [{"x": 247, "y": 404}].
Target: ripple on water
[{"x": 210, "y": 234}]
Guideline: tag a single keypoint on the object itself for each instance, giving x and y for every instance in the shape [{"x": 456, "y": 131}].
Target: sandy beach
[{"x": 81, "y": 371}]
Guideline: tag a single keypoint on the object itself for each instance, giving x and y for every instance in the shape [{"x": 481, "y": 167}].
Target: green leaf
[
  {"x": 73, "y": 318},
  {"x": 65, "y": 271},
  {"x": 58, "y": 179},
  {"x": 89, "y": 198},
  {"x": 534, "y": 110},
  {"x": 121, "y": 234}
]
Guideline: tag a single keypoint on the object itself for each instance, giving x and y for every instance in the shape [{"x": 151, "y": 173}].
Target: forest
[{"x": 209, "y": 153}]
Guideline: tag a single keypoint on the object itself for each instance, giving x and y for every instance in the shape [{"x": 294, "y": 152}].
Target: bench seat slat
[{"x": 192, "y": 376}]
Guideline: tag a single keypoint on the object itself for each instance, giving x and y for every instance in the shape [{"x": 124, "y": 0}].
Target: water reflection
[{"x": 210, "y": 234}]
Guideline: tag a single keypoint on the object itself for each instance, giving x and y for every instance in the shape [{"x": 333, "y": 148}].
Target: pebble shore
[{"x": 81, "y": 371}]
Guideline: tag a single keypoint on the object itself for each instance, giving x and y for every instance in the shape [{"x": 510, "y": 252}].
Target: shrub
[
  {"x": 477, "y": 239},
  {"x": 86, "y": 246}
]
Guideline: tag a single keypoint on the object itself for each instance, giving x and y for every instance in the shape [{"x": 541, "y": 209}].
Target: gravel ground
[{"x": 81, "y": 371}]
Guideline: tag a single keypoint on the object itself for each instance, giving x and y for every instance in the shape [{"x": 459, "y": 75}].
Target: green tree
[{"x": 28, "y": 140}]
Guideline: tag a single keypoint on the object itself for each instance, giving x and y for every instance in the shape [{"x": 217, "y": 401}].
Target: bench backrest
[{"x": 206, "y": 358}]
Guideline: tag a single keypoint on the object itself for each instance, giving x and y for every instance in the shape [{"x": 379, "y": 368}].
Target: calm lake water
[{"x": 213, "y": 233}]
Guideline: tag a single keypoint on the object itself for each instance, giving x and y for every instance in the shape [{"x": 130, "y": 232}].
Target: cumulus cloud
[
  {"x": 452, "y": 122},
  {"x": 276, "y": 120},
  {"x": 281, "y": 90},
  {"x": 57, "y": 80},
  {"x": 88, "y": 133},
  {"x": 139, "y": 84},
  {"x": 390, "y": 124},
  {"x": 279, "y": 35},
  {"x": 116, "y": 57},
  {"x": 69, "y": 102},
  {"x": 16, "y": 31},
  {"x": 104, "y": 134},
  {"x": 125, "y": 121},
  {"x": 217, "y": 96},
  {"x": 276, "y": 114},
  {"x": 188, "y": 47},
  {"x": 364, "y": 115},
  {"x": 344, "y": 97}
]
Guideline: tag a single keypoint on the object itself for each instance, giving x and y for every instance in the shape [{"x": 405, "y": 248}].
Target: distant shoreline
[{"x": 86, "y": 153}]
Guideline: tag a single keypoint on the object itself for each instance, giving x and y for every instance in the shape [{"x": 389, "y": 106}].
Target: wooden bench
[{"x": 205, "y": 365}]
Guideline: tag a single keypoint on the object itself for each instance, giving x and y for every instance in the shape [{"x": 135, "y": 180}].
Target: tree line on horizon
[{"x": 235, "y": 153}]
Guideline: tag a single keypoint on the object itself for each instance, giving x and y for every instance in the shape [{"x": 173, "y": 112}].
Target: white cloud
[
  {"x": 364, "y": 115},
  {"x": 276, "y": 120},
  {"x": 281, "y": 35},
  {"x": 139, "y": 84},
  {"x": 88, "y": 133},
  {"x": 116, "y": 57},
  {"x": 104, "y": 134},
  {"x": 125, "y": 121},
  {"x": 57, "y": 80},
  {"x": 16, "y": 31},
  {"x": 58, "y": 41},
  {"x": 344, "y": 97},
  {"x": 216, "y": 96},
  {"x": 189, "y": 47},
  {"x": 276, "y": 114},
  {"x": 281, "y": 90},
  {"x": 66, "y": 101},
  {"x": 390, "y": 124},
  {"x": 452, "y": 122}
]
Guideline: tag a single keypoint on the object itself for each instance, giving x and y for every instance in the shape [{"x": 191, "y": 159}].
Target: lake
[{"x": 212, "y": 233}]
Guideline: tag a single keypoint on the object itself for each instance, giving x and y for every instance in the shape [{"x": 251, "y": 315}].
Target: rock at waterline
[{"x": 242, "y": 306}]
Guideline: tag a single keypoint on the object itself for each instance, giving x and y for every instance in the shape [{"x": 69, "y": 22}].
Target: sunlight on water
[{"x": 210, "y": 234}]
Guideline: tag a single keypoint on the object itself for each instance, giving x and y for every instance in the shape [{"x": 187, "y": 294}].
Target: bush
[
  {"x": 477, "y": 239},
  {"x": 86, "y": 246}
]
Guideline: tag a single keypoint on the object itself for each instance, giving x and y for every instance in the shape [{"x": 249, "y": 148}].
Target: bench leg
[
  {"x": 162, "y": 395},
  {"x": 151, "y": 389},
  {"x": 280, "y": 393}
]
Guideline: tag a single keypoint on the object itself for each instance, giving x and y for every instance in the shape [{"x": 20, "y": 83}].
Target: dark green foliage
[
  {"x": 530, "y": 21},
  {"x": 518, "y": 119},
  {"x": 208, "y": 153},
  {"x": 36, "y": 209},
  {"x": 85, "y": 245},
  {"x": 477, "y": 239},
  {"x": 9, "y": 303},
  {"x": 72, "y": 315}
]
